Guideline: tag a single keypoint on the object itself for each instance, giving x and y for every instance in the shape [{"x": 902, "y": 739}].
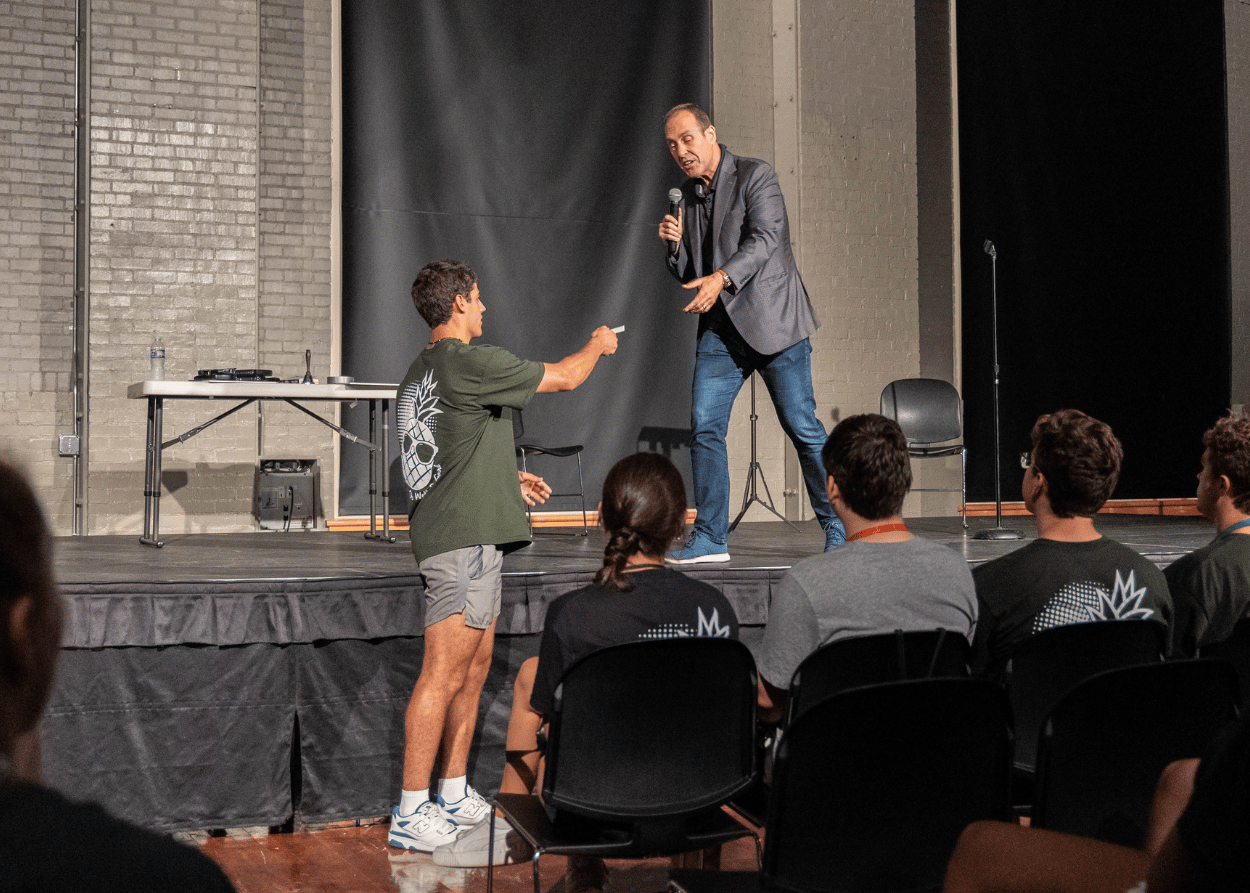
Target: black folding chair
[
  {"x": 1105, "y": 743},
  {"x": 930, "y": 413},
  {"x": 1236, "y": 650},
  {"x": 869, "y": 660},
  {"x": 647, "y": 741},
  {"x": 1046, "y": 666},
  {"x": 873, "y": 786},
  {"x": 525, "y": 450}
]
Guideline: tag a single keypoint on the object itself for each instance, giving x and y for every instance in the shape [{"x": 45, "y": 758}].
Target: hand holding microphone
[{"x": 670, "y": 226}]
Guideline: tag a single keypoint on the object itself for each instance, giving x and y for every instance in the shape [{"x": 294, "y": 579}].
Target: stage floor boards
[
  {"x": 358, "y": 859},
  {"x": 322, "y": 555}
]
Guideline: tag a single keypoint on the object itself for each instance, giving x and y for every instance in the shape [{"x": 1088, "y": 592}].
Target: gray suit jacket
[{"x": 751, "y": 242}]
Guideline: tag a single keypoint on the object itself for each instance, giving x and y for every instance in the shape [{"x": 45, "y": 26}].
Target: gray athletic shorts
[{"x": 467, "y": 580}]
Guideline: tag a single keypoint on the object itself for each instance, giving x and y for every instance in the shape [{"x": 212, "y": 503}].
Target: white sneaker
[
  {"x": 471, "y": 809},
  {"x": 472, "y": 848},
  {"x": 422, "y": 831}
]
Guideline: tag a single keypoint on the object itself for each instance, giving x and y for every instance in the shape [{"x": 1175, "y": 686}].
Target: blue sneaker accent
[
  {"x": 698, "y": 550},
  {"x": 470, "y": 809},
  {"x": 423, "y": 831}
]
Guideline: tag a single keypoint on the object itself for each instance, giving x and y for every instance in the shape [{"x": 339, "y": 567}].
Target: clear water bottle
[{"x": 156, "y": 372}]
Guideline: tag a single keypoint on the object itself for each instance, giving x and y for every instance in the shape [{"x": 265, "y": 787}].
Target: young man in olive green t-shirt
[{"x": 454, "y": 414}]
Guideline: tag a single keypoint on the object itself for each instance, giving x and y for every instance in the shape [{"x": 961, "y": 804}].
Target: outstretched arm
[{"x": 575, "y": 368}]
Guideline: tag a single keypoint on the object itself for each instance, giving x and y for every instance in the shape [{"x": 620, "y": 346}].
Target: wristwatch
[{"x": 728, "y": 283}]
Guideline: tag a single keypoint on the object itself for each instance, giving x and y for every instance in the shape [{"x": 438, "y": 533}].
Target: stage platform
[{"x": 256, "y": 679}]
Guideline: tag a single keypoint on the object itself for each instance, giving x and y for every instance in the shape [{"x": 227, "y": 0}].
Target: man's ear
[
  {"x": 831, "y": 489},
  {"x": 20, "y": 635},
  {"x": 459, "y": 304}
]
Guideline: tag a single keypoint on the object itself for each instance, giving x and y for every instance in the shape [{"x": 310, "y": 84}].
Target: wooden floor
[{"x": 358, "y": 859}]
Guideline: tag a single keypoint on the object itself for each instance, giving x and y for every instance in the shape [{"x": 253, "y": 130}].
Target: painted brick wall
[
  {"x": 294, "y": 222},
  {"x": 210, "y": 192},
  {"x": 36, "y": 243}
]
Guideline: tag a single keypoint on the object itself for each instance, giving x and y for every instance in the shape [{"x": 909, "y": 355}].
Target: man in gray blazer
[{"x": 730, "y": 245}]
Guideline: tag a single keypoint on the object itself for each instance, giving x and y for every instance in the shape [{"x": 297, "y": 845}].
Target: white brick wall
[
  {"x": 36, "y": 243},
  {"x": 210, "y": 226}
]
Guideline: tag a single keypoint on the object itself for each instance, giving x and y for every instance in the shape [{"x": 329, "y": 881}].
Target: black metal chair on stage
[
  {"x": 525, "y": 450},
  {"x": 869, "y": 660},
  {"x": 648, "y": 740},
  {"x": 1105, "y": 743},
  {"x": 873, "y": 786},
  {"x": 1236, "y": 650},
  {"x": 930, "y": 413}
]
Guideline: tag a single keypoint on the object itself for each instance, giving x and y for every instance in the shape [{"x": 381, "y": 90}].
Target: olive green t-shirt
[{"x": 454, "y": 419}]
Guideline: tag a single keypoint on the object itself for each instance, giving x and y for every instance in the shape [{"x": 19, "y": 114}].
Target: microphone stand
[
  {"x": 997, "y": 532},
  {"x": 752, "y": 494}
]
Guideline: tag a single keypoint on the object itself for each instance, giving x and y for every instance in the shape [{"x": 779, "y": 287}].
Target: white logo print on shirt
[
  {"x": 414, "y": 414},
  {"x": 1083, "y": 602}
]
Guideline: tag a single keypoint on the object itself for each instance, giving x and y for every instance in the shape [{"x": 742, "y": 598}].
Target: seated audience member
[
  {"x": 1071, "y": 573},
  {"x": 36, "y": 853},
  {"x": 1210, "y": 586},
  {"x": 634, "y": 597},
  {"x": 1202, "y": 850},
  {"x": 882, "y": 579}
]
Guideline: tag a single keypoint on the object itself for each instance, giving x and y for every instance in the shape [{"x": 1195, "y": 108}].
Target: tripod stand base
[{"x": 998, "y": 533}]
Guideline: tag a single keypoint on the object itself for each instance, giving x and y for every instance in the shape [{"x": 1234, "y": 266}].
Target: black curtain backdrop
[
  {"x": 1093, "y": 148},
  {"x": 525, "y": 139}
]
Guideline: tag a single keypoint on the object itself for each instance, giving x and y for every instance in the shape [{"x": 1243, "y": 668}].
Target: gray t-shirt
[{"x": 862, "y": 589}]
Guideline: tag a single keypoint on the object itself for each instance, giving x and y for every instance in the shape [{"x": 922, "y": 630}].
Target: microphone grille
[{"x": 674, "y": 196}]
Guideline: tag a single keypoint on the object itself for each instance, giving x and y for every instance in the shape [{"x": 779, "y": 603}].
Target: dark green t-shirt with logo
[{"x": 454, "y": 420}]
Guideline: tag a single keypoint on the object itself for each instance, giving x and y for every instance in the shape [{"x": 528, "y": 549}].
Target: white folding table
[{"x": 248, "y": 392}]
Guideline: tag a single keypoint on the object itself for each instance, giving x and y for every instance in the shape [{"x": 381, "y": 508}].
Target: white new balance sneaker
[
  {"x": 471, "y": 809},
  {"x": 422, "y": 831}
]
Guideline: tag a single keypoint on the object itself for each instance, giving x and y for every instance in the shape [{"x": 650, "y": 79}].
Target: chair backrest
[
  {"x": 927, "y": 409},
  {"x": 1236, "y": 650},
  {"x": 872, "y": 786},
  {"x": 869, "y": 660},
  {"x": 1048, "y": 664},
  {"x": 1107, "y": 740},
  {"x": 652, "y": 729}
]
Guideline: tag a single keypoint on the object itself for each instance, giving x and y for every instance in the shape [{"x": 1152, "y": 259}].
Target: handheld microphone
[
  {"x": 674, "y": 209},
  {"x": 990, "y": 249}
]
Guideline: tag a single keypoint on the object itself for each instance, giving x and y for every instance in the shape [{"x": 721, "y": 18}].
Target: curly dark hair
[
  {"x": 436, "y": 286},
  {"x": 1080, "y": 459},
  {"x": 866, "y": 455},
  {"x": 643, "y": 511},
  {"x": 26, "y": 667},
  {"x": 1228, "y": 447}
]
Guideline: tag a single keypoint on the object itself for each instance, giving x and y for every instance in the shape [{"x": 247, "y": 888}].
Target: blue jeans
[{"x": 723, "y": 363}]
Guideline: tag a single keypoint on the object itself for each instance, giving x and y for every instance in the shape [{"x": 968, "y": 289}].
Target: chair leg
[
  {"x": 534, "y": 863},
  {"x": 963, "y": 483},
  {"x": 581, "y": 489},
  {"x": 529, "y": 509}
]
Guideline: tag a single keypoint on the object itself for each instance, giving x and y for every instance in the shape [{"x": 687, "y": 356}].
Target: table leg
[
  {"x": 386, "y": 472},
  {"x": 152, "y": 475},
  {"x": 373, "y": 466}
]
